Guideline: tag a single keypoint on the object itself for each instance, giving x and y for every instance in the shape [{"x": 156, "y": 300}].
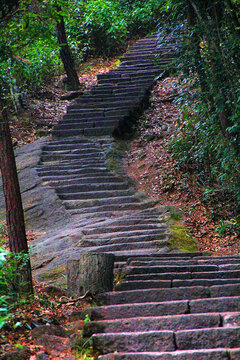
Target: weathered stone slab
[
  {"x": 155, "y": 295},
  {"x": 220, "y": 354},
  {"x": 208, "y": 338},
  {"x": 135, "y": 342},
  {"x": 215, "y": 305},
  {"x": 135, "y": 310}
]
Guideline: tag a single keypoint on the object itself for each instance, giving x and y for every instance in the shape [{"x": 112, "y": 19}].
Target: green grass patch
[
  {"x": 179, "y": 237},
  {"x": 115, "y": 155},
  {"x": 55, "y": 275}
]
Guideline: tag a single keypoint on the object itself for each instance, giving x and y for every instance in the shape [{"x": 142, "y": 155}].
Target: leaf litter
[{"x": 152, "y": 165}]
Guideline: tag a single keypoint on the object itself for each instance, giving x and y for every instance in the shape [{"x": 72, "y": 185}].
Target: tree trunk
[
  {"x": 14, "y": 209},
  {"x": 66, "y": 55},
  {"x": 92, "y": 272}
]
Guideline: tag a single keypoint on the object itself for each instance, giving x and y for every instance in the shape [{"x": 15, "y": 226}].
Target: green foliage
[
  {"x": 11, "y": 281},
  {"x": 207, "y": 43},
  {"x": 228, "y": 227},
  {"x": 29, "y": 53},
  {"x": 102, "y": 26}
]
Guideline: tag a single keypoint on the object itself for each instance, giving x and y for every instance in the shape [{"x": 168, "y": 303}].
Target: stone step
[
  {"x": 143, "y": 81},
  {"x": 139, "y": 252},
  {"x": 94, "y": 194},
  {"x": 56, "y": 156},
  {"x": 55, "y": 171},
  {"x": 92, "y": 114},
  {"x": 222, "y": 261},
  {"x": 134, "y": 74},
  {"x": 113, "y": 90},
  {"x": 78, "y": 124},
  {"x": 78, "y": 187},
  {"x": 133, "y": 78},
  {"x": 209, "y": 354},
  {"x": 121, "y": 112},
  {"x": 140, "y": 75},
  {"x": 139, "y": 57},
  {"x": 74, "y": 163},
  {"x": 135, "y": 342},
  {"x": 71, "y": 118},
  {"x": 104, "y": 105},
  {"x": 168, "y": 256},
  {"x": 75, "y": 167},
  {"x": 128, "y": 228},
  {"x": 128, "y": 237},
  {"x": 147, "y": 52},
  {"x": 163, "y": 262},
  {"x": 148, "y": 40},
  {"x": 140, "y": 47},
  {"x": 90, "y": 99},
  {"x": 74, "y": 140},
  {"x": 186, "y": 275},
  {"x": 157, "y": 323},
  {"x": 208, "y": 338},
  {"x": 119, "y": 200},
  {"x": 218, "y": 262},
  {"x": 87, "y": 132},
  {"x": 91, "y": 120},
  {"x": 191, "y": 292},
  {"x": 163, "y": 308},
  {"x": 167, "y": 340},
  {"x": 161, "y": 241},
  {"x": 133, "y": 206},
  {"x": 101, "y": 215},
  {"x": 157, "y": 284},
  {"x": 136, "y": 220},
  {"x": 125, "y": 246},
  {"x": 72, "y": 149},
  {"x": 124, "y": 233},
  {"x": 84, "y": 179},
  {"x": 131, "y": 270}
]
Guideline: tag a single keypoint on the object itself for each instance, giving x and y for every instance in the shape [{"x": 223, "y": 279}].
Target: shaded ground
[
  {"x": 50, "y": 307},
  {"x": 151, "y": 164}
]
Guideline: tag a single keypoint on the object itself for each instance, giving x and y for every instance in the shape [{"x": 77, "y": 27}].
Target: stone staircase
[
  {"x": 168, "y": 305},
  {"x": 117, "y": 95},
  {"x": 171, "y": 306},
  {"x": 75, "y": 162}
]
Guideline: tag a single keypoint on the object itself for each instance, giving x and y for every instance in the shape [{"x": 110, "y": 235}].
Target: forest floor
[{"x": 207, "y": 215}]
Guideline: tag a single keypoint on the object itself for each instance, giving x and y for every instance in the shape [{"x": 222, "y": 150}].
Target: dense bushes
[
  {"x": 103, "y": 27},
  {"x": 11, "y": 284},
  {"x": 208, "y": 47}
]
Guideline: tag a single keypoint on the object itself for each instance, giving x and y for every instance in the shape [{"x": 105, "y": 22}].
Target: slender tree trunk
[
  {"x": 14, "y": 209},
  {"x": 66, "y": 55}
]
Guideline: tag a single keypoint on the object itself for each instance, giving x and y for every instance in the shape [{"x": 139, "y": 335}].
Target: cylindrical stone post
[{"x": 92, "y": 272}]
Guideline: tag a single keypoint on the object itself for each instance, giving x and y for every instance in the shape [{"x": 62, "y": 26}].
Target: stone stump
[{"x": 92, "y": 272}]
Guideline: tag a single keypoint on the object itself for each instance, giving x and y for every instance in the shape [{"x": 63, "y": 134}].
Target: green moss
[
  {"x": 174, "y": 213},
  {"x": 179, "y": 237},
  {"x": 115, "y": 155},
  {"x": 55, "y": 274}
]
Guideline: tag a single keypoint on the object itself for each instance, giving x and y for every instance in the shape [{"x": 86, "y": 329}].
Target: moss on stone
[
  {"x": 179, "y": 237},
  {"x": 54, "y": 275},
  {"x": 115, "y": 154}
]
